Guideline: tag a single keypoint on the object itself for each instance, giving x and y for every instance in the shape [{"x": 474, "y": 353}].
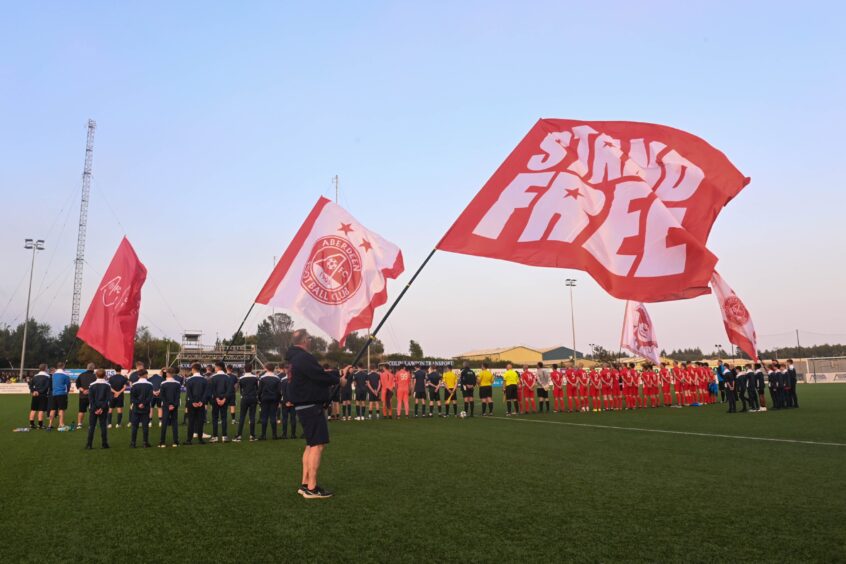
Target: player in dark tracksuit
[
  {"x": 140, "y": 396},
  {"x": 195, "y": 397},
  {"x": 791, "y": 379},
  {"x": 99, "y": 397},
  {"x": 39, "y": 389},
  {"x": 248, "y": 384},
  {"x": 118, "y": 382},
  {"x": 169, "y": 393},
  {"x": 360, "y": 381},
  {"x": 221, "y": 388},
  {"x": 269, "y": 394},
  {"x": 230, "y": 400},
  {"x": 156, "y": 380},
  {"x": 288, "y": 412}
]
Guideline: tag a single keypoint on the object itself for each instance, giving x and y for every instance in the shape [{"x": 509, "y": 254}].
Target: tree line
[{"x": 273, "y": 337}]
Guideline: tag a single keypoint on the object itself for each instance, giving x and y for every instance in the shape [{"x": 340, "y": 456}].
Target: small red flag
[
  {"x": 630, "y": 203},
  {"x": 736, "y": 318},
  {"x": 112, "y": 318},
  {"x": 639, "y": 333}
]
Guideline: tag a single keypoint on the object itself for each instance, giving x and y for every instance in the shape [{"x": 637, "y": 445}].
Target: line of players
[
  {"x": 573, "y": 388},
  {"x": 609, "y": 387},
  {"x": 371, "y": 394},
  {"x": 215, "y": 386}
]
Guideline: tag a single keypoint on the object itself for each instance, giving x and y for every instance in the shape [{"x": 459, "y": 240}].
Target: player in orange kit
[
  {"x": 403, "y": 388},
  {"x": 387, "y": 382}
]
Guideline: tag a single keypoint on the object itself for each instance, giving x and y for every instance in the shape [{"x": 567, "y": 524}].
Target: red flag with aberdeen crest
[
  {"x": 639, "y": 333},
  {"x": 630, "y": 203},
  {"x": 112, "y": 318},
  {"x": 736, "y": 318},
  {"x": 334, "y": 272}
]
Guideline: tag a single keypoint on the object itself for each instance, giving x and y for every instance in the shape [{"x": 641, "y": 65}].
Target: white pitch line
[{"x": 642, "y": 430}]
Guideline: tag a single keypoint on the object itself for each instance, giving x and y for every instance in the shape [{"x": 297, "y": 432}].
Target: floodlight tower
[{"x": 83, "y": 222}]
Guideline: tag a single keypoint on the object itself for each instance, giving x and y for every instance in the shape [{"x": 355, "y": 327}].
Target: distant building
[{"x": 521, "y": 354}]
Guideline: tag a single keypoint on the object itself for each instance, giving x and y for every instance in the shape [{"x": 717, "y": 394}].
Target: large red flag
[
  {"x": 334, "y": 272},
  {"x": 112, "y": 318},
  {"x": 630, "y": 203},
  {"x": 736, "y": 318},
  {"x": 639, "y": 333}
]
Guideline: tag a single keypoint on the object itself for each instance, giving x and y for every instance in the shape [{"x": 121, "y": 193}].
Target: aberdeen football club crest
[
  {"x": 643, "y": 330},
  {"x": 736, "y": 312},
  {"x": 332, "y": 273},
  {"x": 113, "y": 293}
]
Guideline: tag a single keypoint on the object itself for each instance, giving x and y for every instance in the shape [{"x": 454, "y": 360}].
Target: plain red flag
[
  {"x": 630, "y": 203},
  {"x": 112, "y": 318}
]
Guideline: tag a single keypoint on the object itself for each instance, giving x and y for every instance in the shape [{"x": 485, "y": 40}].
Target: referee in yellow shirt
[
  {"x": 450, "y": 384},
  {"x": 511, "y": 379},
  {"x": 486, "y": 389}
]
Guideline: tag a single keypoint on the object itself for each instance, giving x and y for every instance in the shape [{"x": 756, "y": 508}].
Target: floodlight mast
[{"x": 83, "y": 223}]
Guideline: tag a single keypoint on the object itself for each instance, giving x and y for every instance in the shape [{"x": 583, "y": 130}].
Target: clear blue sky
[{"x": 219, "y": 125}]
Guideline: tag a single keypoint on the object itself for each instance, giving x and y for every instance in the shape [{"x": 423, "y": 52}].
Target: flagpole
[
  {"x": 235, "y": 334},
  {"x": 372, "y": 336}
]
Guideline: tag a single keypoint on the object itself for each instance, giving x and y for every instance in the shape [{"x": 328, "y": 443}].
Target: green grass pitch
[{"x": 534, "y": 488}]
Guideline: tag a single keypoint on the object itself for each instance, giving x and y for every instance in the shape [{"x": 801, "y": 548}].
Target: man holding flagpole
[{"x": 309, "y": 389}]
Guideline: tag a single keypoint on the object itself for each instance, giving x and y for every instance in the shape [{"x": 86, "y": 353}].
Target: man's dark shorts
[
  {"x": 485, "y": 392},
  {"x": 511, "y": 392},
  {"x": 84, "y": 403},
  {"x": 542, "y": 393},
  {"x": 420, "y": 395},
  {"x": 313, "y": 422},
  {"x": 39, "y": 403},
  {"x": 230, "y": 401},
  {"x": 116, "y": 402},
  {"x": 58, "y": 403},
  {"x": 361, "y": 395}
]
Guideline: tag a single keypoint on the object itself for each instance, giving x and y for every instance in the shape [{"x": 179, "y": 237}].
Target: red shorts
[
  {"x": 606, "y": 390},
  {"x": 528, "y": 392},
  {"x": 572, "y": 391},
  {"x": 666, "y": 388},
  {"x": 583, "y": 391},
  {"x": 557, "y": 392}
]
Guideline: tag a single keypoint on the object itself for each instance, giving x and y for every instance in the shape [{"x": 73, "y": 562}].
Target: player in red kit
[
  {"x": 607, "y": 386},
  {"x": 571, "y": 375},
  {"x": 650, "y": 390},
  {"x": 616, "y": 389},
  {"x": 639, "y": 399},
  {"x": 596, "y": 389},
  {"x": 678, "y": 383},
  {"x": 666, "y": 380},
  {"x": 528, "y": 382},
  {"x": 557, "y": 389},
  {"x": 584, "y": 389}
]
